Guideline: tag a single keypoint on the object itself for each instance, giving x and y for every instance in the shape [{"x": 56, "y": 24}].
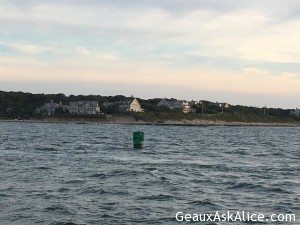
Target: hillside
[{"x": 19, "y": 105}]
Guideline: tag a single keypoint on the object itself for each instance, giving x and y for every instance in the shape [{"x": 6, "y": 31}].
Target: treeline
[{"x": 23, "y": 105}]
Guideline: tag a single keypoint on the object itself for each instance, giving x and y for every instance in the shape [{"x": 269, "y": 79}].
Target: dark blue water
[{"x": 89, "y": 174}]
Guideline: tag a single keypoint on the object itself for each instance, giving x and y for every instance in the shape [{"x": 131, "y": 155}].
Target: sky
[{"x": 242, "y": 52}]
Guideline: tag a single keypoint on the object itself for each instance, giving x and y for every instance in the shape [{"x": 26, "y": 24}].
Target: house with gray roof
[
  {"x": 175, "y": 105},
  {"x": 84, "y": 108}
]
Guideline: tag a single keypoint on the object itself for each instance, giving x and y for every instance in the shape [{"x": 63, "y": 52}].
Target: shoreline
[{"x": 189, "y": 123}]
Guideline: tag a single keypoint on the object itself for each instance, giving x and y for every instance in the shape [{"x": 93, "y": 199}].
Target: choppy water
[{"x": 89, "y": 174}]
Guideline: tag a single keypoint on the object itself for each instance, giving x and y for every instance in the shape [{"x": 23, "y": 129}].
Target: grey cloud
[{"x": 291, "y": 6}]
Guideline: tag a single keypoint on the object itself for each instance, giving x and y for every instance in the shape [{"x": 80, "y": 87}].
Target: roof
[
  {"x": 170, "y": 103},
  {"x": 128, "y": 101},
  {"x": 74, "y": 104}
]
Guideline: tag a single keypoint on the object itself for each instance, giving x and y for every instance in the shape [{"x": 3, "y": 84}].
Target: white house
[
  {"x": 84, "y": 107},
  {"x": 130, "y": 106},
  {"x": 186, "y": 108}
]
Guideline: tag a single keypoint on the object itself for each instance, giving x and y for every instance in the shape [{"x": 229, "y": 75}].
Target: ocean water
[{"x": 89, "y": 174}]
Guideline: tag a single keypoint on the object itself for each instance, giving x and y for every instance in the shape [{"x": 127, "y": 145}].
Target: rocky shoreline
[
  {"x": 164, "y": 123},
  {"x": 225, "y": 123}
]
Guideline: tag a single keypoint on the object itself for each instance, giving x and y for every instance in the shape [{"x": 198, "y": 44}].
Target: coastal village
[
  {"x": 133, "y": 105},
  {"x": 28, "y": 106},
  {"x": 87, "y": 107},
  {"x": 129, "y": 105}
]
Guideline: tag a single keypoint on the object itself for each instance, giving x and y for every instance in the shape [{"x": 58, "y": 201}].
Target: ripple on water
[
  {"x": 76, "y": 181},
  {"x": 207, "y": 203},
  {"x": 258, "y": 187},
  {"x": 47, "y": 149},
  {"x": 159, "y": 197},
  {"x": 61, "y": 174},
  {"x": 61, "y": 209},
  {"x": 66, "y": 223},
  {"x": 93, "y": 190},
  {"x": 42, "y": 168},
  {"x": 98, "y": 175}
]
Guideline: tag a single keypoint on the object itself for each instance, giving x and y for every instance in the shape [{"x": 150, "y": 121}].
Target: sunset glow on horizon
[{"x": 241, "y": 52}]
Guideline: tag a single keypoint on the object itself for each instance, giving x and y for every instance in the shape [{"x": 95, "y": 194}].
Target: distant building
[
  {"x": 50, "y": 108},
  {"x": 218, "y": 104},
  {"x": 165, "y": 103},
  {"x": 186, "y": 108},
  {"x": 175, "y": 105},
  {"x": 84, "y": 108},
  {"x": 224, "y": 105},
  {"x": 108, "y": 104},
  {"x": 132, "y": 105},
  {"x": 193, "y": 103},
  {"x": 171, "y": 104},
  {"x": 297, "y": 113}
]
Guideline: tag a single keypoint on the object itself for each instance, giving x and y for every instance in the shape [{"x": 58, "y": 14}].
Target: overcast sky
[{"x": 242, "y": 51}]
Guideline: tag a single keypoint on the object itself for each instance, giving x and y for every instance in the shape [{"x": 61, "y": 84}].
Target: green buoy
[{"x": 138, "y": 139}]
